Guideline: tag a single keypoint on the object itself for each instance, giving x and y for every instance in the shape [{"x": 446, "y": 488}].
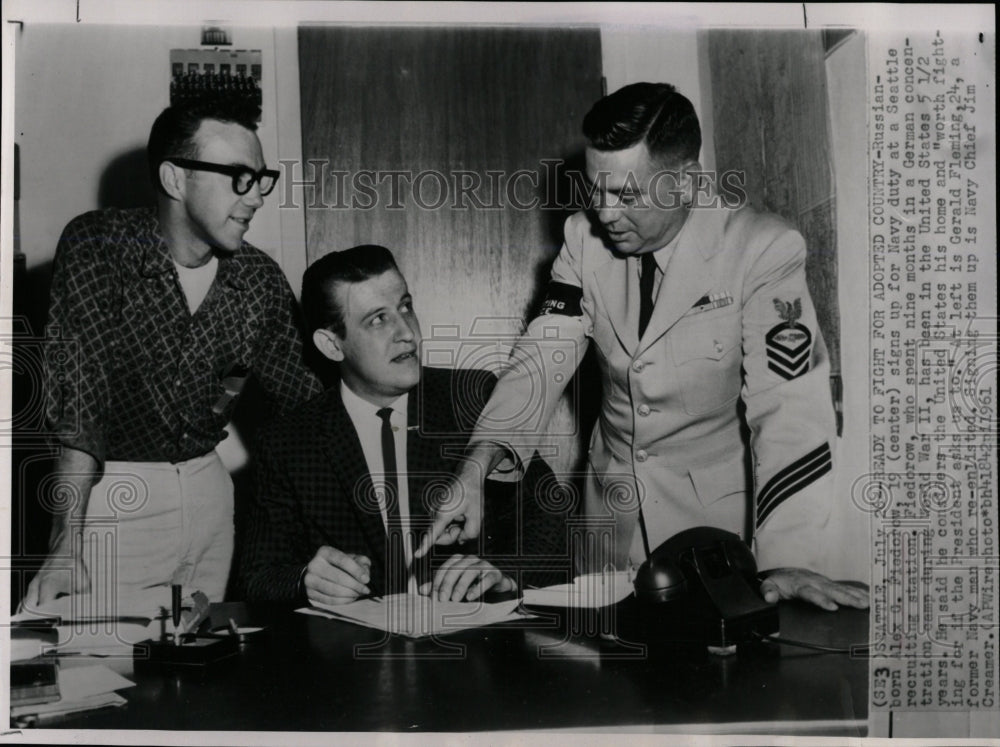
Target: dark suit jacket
[{"x": 313, "y": 487}]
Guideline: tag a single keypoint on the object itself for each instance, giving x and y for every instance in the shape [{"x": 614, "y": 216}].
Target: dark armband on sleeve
[{"x": 562, "y": 298}]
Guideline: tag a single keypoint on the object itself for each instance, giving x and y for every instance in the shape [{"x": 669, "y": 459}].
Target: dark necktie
[
  {"x": 396, "y": 558},
  {"x": 646, "y": 279}
]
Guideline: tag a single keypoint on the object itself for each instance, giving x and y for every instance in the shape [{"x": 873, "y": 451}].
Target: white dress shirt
[
  {"x": 368, "y": 424},
  {"x": 662, "y": 257}
]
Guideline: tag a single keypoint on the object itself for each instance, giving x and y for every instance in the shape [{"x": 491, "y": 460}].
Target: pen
[{"x": 175, "y": 602}]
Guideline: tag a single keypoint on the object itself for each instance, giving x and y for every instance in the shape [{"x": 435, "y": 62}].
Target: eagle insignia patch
[{"x": 789, "y": 344}]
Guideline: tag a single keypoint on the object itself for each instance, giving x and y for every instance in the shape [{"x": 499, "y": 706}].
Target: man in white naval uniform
[{"x": 708, "y": 343}]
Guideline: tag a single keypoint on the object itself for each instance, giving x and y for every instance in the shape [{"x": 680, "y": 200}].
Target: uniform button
[
  {"x": 177, "y": 382},
  {"x": 718, "y": 346},
  {"x": 641, "y": 455},
  {"x": 637, "y": 366},
  {"x": 644, "y": 410}
]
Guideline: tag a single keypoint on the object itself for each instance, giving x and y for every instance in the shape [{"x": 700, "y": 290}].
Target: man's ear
[
  {"x": 329, "y": 344},
  {"x": 689, "y": 181},
  {"x": 172, "y": 177}
]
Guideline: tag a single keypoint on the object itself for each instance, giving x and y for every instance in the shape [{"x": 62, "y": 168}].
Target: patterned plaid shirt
[{"x": 130, "y": 373}]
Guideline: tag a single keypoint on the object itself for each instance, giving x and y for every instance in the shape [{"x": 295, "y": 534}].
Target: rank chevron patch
[
  {"x": 791, "y": 479},
  {"x": 789, "y": 344}
]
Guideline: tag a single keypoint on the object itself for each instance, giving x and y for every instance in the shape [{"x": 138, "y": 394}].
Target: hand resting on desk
[
  {"x": 335, "y": 577},
  {"x": 466, "y": 578},
  {"x": 798, "y": 583}
]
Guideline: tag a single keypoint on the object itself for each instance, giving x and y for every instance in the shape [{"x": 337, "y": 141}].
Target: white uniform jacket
[{"x": 732, "y": 357}]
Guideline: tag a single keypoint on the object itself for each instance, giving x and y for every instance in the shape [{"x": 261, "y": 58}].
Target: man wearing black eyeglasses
[{"x": 157, "y": 319}]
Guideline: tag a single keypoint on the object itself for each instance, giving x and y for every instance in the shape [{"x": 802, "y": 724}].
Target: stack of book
[
  {"x": 42, "y": 692},
  {"x": 54, "y": 650}
]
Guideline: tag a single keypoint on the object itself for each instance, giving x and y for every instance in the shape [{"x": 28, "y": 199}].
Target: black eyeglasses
[{"x": 243, "y": 176}]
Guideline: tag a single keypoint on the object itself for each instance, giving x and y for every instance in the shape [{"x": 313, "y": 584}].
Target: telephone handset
[{"x": 709, "y": 575}]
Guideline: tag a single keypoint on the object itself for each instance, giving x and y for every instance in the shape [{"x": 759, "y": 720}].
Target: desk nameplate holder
[
  {"x": 183, "y": 650},
  {"x": 193, "y": 651}
]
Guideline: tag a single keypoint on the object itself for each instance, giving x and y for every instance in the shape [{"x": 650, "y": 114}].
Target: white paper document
[
  {"x": 417, "y": 616},
  {"x": 77, "y": 683},
  {"x": 591, "y": 590}
]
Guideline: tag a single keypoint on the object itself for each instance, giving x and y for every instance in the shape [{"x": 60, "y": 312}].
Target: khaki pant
[{"x": 153, "y": 524}]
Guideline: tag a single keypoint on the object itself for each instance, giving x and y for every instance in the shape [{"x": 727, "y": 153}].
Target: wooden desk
[{"x": 316, "y": 674}]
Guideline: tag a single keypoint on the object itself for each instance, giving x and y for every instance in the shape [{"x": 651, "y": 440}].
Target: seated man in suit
[{"x": 341, "y": 480}]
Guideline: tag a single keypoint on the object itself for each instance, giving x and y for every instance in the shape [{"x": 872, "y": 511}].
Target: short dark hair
[
  {"x": 172, "y": 134},
  {"x": 653, "y": 113},
  {"x": 319, "y": 301}
]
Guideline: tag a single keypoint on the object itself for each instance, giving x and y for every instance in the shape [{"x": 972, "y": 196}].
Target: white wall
[{"x": 89, "y": 94}]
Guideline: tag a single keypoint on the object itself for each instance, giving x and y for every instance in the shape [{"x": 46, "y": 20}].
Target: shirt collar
[
  {"x": 362, "y": 411},
  {"x": 232, "y": 270},
  {"x": 156, "y": 256}
]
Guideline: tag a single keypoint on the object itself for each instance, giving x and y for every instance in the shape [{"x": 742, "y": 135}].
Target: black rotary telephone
[{"x": 704, "y": 582}]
